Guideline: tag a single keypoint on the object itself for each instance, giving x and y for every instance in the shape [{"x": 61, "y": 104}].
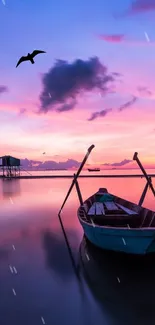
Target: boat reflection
[{"x": 123, "y": 286}]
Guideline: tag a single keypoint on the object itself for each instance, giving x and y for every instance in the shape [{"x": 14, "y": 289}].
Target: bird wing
[
  {"x": 35, "y": 52},
  {"x": 22, "y": 59}
]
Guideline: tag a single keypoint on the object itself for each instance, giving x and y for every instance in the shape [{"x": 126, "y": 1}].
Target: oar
[
  {"x": 77, "y": 174},
  {"x": 135, "y": 157}
]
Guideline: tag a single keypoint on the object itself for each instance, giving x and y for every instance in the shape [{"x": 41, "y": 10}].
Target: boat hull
[{"x": 130, "y": 241}]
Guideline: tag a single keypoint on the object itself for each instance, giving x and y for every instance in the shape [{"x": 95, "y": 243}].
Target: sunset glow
[{"x": 29, "y": 127}]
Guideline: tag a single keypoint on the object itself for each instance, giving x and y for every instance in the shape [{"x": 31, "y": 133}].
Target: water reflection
[
  {"x": 46, "y": 282},
  {"x": 10, "y": 188},
  {"x": 4, "y": 254},
  {"x": 25, "y": 233},
  {"x": 123, "y": 286},
  {"x": 57, "y": 257}
]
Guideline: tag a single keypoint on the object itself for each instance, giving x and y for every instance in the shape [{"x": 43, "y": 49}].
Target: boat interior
[{"x": 105, "y": 209}]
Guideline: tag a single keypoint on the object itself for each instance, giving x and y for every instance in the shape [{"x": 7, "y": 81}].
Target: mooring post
[
  {"x": 144, "y": 193},
  {"x": 77, "y": 174},
  {"x": 78, "y": 190},
  {"x": 135, "y": 157}
]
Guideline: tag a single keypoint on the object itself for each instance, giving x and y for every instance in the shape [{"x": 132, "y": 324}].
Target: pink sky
[{"x": 117, "y": 134}]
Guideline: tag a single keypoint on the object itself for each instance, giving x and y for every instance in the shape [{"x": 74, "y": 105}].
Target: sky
[{"x": 94, "y": 84}]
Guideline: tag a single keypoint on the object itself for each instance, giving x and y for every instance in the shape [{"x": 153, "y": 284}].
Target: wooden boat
[
  {"x": 117, "y": 225},
  {"x": 113, "y": 223},
  {"x": 94, "y": 169}
]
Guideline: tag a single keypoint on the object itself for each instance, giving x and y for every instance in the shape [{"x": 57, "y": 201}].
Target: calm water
[
  {"x": 37, "y": 281},
  {"x": 85, "y": 172}
]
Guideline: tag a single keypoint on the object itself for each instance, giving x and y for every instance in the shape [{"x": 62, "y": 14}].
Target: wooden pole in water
[
  {"x": 78, "y": 190},
  {"x": 77, "y": 174},
  {"x": 68, "y": 246},
  {"x": 144, "y": 193},
  {"x": 135, "y": 157},
  {"x": 80, "y": 198}
]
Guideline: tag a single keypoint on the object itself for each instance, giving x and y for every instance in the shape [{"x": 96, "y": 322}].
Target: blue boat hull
[{"x": 131, "y": 241}]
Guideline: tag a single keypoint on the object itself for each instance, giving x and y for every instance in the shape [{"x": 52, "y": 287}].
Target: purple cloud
[
  {"x": 117, "y": 74},
  {"x": 50, "y": 164},
  {"x": 99, "y": 114},
  {"x": 65, "y": 81},
  {"x": 3, "y": 89},
  {"x": 144, "y": 90},
  {"x": 22, "y": 111},
  {"x": 121, "y": 163},
  {"x": 128, "y": 104},
  {"x": 140, "y": 6},
  {"x": 105, "y": 112},
  {"x": 67, "y": 106}
]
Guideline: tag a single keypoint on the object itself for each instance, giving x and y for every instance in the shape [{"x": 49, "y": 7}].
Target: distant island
[{"x": 72, "y": 165}]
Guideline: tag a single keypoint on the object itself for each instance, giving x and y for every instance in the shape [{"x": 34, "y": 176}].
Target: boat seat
[
  {"x": 92, "y": 210},
  {"x": 116, "y": 215},
  {"x": 96, "y": 209},
  {"x": 108, "y": 207},
  {"x": 128, "y": 211},
  {"x": 99, "y": 209},
  {"x": 111, "y": 206}
]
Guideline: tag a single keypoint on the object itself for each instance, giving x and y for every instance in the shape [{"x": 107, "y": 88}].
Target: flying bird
[
  {"x": 29, "y": 57},
  {"x": 44, "y": 153}
]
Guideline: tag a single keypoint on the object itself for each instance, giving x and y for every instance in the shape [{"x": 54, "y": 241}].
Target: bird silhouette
[{"x": 29, "y": 57}]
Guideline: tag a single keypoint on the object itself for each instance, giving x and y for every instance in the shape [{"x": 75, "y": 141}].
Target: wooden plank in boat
[
  {"x": 92, "y": 209},
  {"x": 128, "y": 211},
  {"x": 96, "y": 209},
  {"x": 111, "y": 206},
  {"x": 99, "y": 208}
]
